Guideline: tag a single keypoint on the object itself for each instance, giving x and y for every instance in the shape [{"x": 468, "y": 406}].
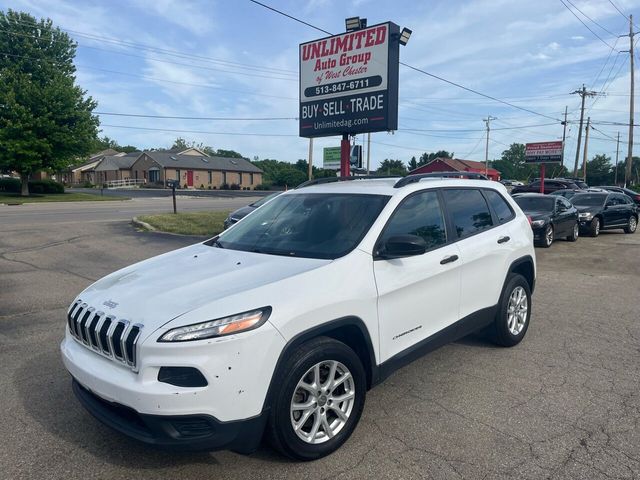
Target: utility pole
[
  {"x": 564, "y": 135},
  {"x": 586, "y": 145},
  {"x": 583, "y": 93},
  {"x": 615, "y": 172},
  {"x": 487, "y": 121},
  {"x": 368, "y": 152},
  {"x": 627, "y": 172},
  {"x": 311, "y": 159}
]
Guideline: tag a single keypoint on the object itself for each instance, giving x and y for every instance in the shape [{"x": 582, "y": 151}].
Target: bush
[
  {"x": 263, "y": 186},
  {"x": 10, "y": 185},
  {"x": 87, "y": 185},
  {"x": 185, "y": 186},
  {"x": 224, "y": 186},
  {"x": 45, "y": 186},
  {"x": 202, "y": 186},
  {"x": 234, "y": 186}
]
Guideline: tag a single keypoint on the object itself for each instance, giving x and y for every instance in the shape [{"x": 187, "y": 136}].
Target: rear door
[
  {"x": 565, "y": 216},
  {"x": 615, "y": 212},
  {"x": 418, "y": 296},
  {"x": 485, "y": 243}
]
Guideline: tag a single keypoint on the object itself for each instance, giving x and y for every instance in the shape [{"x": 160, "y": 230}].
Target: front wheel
[
  {"x": 514, "y": 311},
  {"x": 548, "y": 236},
  {"x": 594, "y": 230},
  {"x": 320, "y": 401},
  {"x": 574, "y": 234},
  {"x": 632, "y": 224}
]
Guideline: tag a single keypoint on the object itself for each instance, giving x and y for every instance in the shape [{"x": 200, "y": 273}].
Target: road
[
  {"x": 164, "y": 192},
  {"x": 564, "y": 404},
  {"x": 80, "y": 213}
]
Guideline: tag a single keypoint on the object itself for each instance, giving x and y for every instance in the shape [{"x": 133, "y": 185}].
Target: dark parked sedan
[
  {"x": 605, "y": 211},
  {"x": 549, "y": 186},
  {"x": 635, "y": 196},
  {"x": 551, "y": 216},
  {"x": 242, "y": 212}
]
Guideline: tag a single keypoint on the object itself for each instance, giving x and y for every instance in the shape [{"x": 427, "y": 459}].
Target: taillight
[{"x": 530, "y": 220}]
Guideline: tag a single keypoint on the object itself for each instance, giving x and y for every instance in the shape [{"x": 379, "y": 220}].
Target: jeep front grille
[{"x": 104, "y": 334}]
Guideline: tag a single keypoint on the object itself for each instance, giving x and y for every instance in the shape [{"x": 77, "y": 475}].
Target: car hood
[
  {"x": 242, "y": 212},
  {"x": 159, "y": 289}
]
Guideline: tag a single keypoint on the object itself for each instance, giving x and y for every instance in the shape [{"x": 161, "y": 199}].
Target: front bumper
[
  {"x": 584, "y": 224},
  {"x": 178, "y": 432},
  {"x": 538, "y": 233}
]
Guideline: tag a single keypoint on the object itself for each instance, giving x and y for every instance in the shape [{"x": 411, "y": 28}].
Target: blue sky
[{"x": 232, "y": 58}]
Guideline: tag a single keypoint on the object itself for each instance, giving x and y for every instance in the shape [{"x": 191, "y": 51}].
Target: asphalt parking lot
[{"x": 563, "y": 404}]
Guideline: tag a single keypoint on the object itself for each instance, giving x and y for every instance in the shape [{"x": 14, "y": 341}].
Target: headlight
[
  {"x": 537, "y": 223},
  {"x": 241, "y": 322},
  {"x": 585, "y": 216}
]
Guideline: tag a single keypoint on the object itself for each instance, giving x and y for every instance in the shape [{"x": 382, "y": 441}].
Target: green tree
[
  {"x": 512, "y": 164},
  {"x": 413, "y": 164},
  {"x": 392, "y": 167},
  {"x": 429, "y": 157},
  {"x": 46, "y": 120},
  {"x": 599, "y": 170},
  {"x": 105, "y": 143}
]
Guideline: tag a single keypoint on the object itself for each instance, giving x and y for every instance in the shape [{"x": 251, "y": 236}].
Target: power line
[
  {"x": 587, "y": 26},
  {"x": 165, "y": 51},
  {"x": 424, "y": 72},
  {"x": 195, "y": 118},
  {"x": 170, "y": 62},
  {"x": 591, "y": 19},
  {"x": 200, "y": 131}
]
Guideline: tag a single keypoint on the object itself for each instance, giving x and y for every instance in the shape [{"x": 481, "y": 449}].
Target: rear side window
[
  {"x": 421, "y": 215},
  {"x": 468, "y": 210},
  {"x": 500, "y": 206}
]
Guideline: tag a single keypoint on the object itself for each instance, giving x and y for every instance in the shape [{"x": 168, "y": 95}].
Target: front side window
[
  {"x": 500, "y": 206},
  {"x": 421, "y": 215},
  {"x": 468, "y": 210},
  {"x": 310, "y": 225},
  {"x": 589, "y": 200}
]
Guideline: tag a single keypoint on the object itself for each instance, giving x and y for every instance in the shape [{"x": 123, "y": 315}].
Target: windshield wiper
[
  {"x": 218, "y": 244},
  {"x": 274, "y": 252}
]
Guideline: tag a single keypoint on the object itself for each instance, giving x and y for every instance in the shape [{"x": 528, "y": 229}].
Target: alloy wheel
[
  {"x": 517, "y": 310},
  {"x": 322, "y": 402},
  {"x": 548, "y": 235},
  {"x": 633, "y": 224},
  {"x": 597, "y": 226},
  {"x": 576, "y": 231}
]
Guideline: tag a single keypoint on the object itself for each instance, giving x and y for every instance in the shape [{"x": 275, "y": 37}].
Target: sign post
[
  {"x": 349, "y": 85},
  {"x": 543, "y": 153}
]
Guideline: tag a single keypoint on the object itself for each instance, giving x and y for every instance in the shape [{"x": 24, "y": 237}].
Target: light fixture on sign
[
  {"x": 353, "y": 23},
  {"x": 404, "y": 36}
]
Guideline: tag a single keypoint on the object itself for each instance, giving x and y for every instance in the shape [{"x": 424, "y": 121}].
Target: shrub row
[{"x": 12, "y": 185}]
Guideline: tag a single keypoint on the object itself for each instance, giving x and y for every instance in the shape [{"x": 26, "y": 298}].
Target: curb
[{"x": 143, "y": 225}]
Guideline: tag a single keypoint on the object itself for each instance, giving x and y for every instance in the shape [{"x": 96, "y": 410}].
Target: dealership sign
[
  {"x": 349, "y": 82},
  {"x": 543, "y": 152}
]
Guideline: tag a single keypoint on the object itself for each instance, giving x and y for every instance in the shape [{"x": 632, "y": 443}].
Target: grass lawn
[
  {"x": 191, "y": 223},
  {"x": 57, "y": 197}
]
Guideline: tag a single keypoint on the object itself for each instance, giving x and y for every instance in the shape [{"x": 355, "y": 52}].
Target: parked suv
[
  {"x": 282, "y": 323},
  {"x": 606, "y": 211}
]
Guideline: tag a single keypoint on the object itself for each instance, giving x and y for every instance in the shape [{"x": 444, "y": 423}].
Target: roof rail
[
  {"x": 409, "y": 179},
  {"x": 319, "y": 181}
]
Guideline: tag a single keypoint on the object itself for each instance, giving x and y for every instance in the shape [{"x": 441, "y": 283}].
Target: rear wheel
[
  {"x": 574, "y": 234},
  {"x": 514, "y": 311},
  {"x": 320, "y": 401},
  {"x": 594, "y": 229},
  {"x": 632, "y": 224}
]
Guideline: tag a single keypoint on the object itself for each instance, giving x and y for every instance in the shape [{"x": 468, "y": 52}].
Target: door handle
[
  {"x": 504, "y": 239},
  {"x": 449, "y": 259}
]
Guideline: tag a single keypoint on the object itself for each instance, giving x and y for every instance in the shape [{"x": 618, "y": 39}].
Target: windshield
[
  {"x": 311, "y": 225},
  {"x": 535, "y": 204},
  {"x": 586, "y": 200},
  {"x": 262, "y": 201}
]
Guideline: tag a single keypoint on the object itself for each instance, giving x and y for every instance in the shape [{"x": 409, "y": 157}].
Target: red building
[{"x": 457, "y": 165}]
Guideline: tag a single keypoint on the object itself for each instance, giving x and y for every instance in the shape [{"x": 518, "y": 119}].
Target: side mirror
[{"x": 400, "y": 246}]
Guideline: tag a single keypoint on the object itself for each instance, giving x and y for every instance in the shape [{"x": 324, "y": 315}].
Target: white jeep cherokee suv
[{"x": 282, "y": 323}]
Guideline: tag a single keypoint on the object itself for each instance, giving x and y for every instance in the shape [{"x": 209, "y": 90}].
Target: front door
[
  {"x": 189, "y": 178},
  {"x": 418, "y": 296}
]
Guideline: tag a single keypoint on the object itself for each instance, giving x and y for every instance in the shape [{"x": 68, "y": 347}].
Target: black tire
[
  {"x": 575, "y": 233},
  {"x": 280, "y": 431},
  {"x": 500, "y": 332},
  {"x": 547, "y": 240},
  {"x": 594, "y": 228},
  {"x": 632, "y": 225}
]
